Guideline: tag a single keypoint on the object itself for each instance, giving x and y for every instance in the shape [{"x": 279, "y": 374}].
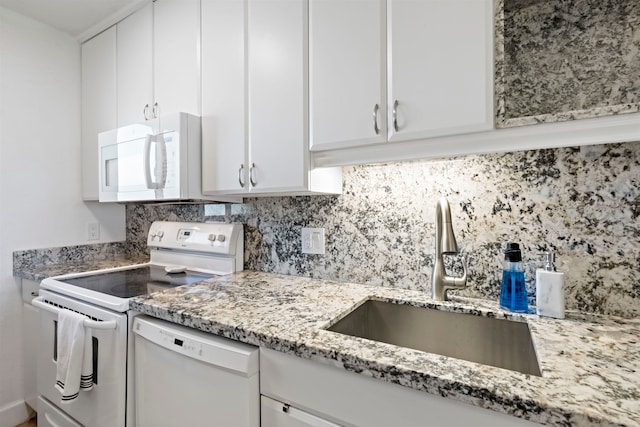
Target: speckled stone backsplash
[
  {"x": 570, "y": 59},
  {"x": 583, "y": 203}
]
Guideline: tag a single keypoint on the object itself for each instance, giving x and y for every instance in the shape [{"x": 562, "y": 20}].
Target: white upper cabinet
[
  {"x": 440, "y": 67},
  {"x": 255, "y": 103},
  {"x": 135, "y": 67},
  {"x": 438, "y": 63},
  {"x": 347, "y": 72},
  {"x": 159, "y": 61},
  {"x": 98, "y": 103},
  {"x": 224, "y": 97},
  {"x": 277, "y": 94},
  {"x": 176, "y": 56}
]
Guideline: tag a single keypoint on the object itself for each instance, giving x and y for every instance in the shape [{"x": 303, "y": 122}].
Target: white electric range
[{"x": 181, "y": 253}]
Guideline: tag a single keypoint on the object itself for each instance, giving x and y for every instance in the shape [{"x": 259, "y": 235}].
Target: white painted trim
[
  {"x": 14, "y": 413},
  {"x": 600, "y": 130},
  {"x": 111, "y": 20}
]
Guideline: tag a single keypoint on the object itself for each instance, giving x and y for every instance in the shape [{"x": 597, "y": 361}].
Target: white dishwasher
[{"x": 185, "y": 377}]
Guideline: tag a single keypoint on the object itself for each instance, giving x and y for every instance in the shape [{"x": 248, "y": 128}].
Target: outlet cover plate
[
  {"x": 93, "y": 231},
  {"x": 313, "y": 241}
]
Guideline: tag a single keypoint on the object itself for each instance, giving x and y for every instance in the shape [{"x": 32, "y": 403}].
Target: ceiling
[{"x": 76, "y": 17}]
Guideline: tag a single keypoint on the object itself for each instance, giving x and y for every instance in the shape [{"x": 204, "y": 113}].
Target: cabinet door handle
[
  {"x": 376, "y": 129},
  {"x": 145, "y": 110},
  {"x": 395, "y": 115},
  {"x": 155, "y": 110},
  {"x": 240, "y": 175},
  {"x": 253, "y": 181}
]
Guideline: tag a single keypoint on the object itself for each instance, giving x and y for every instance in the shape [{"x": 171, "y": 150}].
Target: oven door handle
[{"x": 88, "y": 323}]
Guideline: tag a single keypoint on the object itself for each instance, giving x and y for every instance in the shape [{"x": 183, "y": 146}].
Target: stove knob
[
  {"x": 160, "y": 234},
  {"x": 212, "y": 237},
  {"x": 153, "y": 236},
  {"x": 221, "y": 238}
]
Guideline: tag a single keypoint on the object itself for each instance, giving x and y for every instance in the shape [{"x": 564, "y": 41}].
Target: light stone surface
[
  {"x": 583, "y": 203},
  {"x": 590, "y": 365},
  {"x": 559, "y": 60},
  {"x": 38, "y": 264}
]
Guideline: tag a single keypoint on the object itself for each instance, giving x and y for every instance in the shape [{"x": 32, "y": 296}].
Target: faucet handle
[{"x": 462, "y": 280}]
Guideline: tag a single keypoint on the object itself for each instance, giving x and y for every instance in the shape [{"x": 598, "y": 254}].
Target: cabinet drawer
[
  {"x": 354, "y": 399},
  {"x": 278, "y": 414},
  {"x": 50, "y": 416}
]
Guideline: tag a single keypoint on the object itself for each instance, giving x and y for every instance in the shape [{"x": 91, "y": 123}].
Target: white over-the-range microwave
[{"x": 157, "y": 160}]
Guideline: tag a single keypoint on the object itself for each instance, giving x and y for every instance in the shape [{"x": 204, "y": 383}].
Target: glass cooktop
[{"x": 136, "y": 281}]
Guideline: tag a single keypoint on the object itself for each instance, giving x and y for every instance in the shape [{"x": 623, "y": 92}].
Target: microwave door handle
[
  {"x": 163, "y": 151},
  {"x": 147, "y": 161},
  {"x": 161, "y": 162}
]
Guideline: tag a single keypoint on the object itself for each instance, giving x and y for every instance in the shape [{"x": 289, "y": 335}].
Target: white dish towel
[{"x": 75, "y": 356}]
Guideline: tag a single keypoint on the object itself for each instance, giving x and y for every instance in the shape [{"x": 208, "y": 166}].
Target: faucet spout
[{"x": 445, "y": 245}]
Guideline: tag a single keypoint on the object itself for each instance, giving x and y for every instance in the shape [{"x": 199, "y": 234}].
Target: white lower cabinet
[
  {"x": 30, "y": 328},
  {"x": 278, "y": 414},
  {"x": 331, "y": 395}
]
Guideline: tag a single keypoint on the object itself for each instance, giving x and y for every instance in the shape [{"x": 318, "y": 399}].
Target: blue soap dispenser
[{"x": 513, "y": 292}]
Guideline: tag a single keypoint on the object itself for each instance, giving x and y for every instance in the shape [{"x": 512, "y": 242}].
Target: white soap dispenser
[{"x": 550, "y": 289}]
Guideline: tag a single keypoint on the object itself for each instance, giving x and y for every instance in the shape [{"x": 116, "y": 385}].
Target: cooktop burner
[{"x": 136, "y": 281}]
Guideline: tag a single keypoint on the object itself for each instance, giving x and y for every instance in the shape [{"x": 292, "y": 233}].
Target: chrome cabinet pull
[
  {"x": 395, "y": 115},
  {"x": 376, "y": 129},
  {"x": 155, "y": 110},
  {"x": 240, "y": 175},
  {"x": 251, "y": 179},
  {"x": 145, "y": 110}
]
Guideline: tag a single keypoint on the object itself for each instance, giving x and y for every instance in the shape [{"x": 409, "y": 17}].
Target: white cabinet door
[
  {"x": 30, "y": 342},
  {"x": 224, "y": 96},
  {"x": 255, "y": 100},
  {"x": 135, "y": 66},
  {"x": 31, "y": 323},
  {"x": 278, "y": 414},
  {"x": 347, "y": 74},
  {"x": 277, "y": 79},
  {"x": 98, "y": 103},
  {"x": 176, "y": 53},
  {"x": 440, "y": 67}
]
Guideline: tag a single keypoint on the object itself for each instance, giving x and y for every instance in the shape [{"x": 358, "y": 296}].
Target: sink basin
[{"x": 494, "y": 342}]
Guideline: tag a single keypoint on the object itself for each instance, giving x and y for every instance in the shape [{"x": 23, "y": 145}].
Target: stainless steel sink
[{"x": 495, "y": 342}]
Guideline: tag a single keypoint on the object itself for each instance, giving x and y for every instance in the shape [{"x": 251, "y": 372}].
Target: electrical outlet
[
  {"x": 93, "y": 231},
  {"x": 313, "y": 241}
]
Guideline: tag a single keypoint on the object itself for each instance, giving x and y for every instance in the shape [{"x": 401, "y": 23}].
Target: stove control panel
[{"x": 217, "y": 238}]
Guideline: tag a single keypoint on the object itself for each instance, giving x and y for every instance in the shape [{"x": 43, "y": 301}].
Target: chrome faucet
[{"x": 445, "y": 245}]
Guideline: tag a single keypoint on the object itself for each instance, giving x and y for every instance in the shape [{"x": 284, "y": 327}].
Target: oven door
[{"x": 105, "y": 404}]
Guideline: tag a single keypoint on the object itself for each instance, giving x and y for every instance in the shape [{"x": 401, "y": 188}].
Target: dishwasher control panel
[
  {"x": 206, "y": 347},
  {"x": 187, "y": 345}
]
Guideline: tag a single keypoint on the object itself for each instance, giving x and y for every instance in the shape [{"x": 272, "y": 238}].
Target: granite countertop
[
  {"x": 38, "y": 271},
  {"x": 590, "y": 365}
]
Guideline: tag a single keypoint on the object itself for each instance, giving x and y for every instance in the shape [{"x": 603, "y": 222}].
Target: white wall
[{"x": 40, "y": 191}]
